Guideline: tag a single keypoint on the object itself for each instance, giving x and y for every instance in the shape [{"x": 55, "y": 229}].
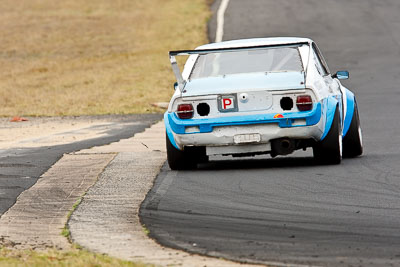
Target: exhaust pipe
[{"x": 282, "y": 146}]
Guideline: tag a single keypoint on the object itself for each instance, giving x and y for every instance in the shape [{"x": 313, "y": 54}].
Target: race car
[{"x": 259, "y": 96}]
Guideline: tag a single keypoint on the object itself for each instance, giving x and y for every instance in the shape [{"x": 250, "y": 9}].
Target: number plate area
[{"x": 247, "y": 138}]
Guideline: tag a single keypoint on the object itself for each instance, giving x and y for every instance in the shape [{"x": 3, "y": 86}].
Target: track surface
[
  {"x": 289, "y": 209},
  {"x": 20, "y": 168}
]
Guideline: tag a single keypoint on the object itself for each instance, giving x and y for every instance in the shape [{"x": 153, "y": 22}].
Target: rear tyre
[
  {"x": 352, "y": 142},
  {"x": 329, "y": 150},
  {"x": 179, "y": 159}
]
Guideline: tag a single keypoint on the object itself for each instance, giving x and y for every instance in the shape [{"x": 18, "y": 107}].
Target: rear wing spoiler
[{"x": 178, "y": 74}]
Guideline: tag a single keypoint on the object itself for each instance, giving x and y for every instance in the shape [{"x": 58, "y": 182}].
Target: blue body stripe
[
  {"x": 350, "y": 111},
  {"x": 329, "y": 109},
  {"x": 178, "y": 126},
  {"x": 169, "y": 130}
]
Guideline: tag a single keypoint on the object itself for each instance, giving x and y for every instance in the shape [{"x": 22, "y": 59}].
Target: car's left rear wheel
[{"x": 186, "y": 159}]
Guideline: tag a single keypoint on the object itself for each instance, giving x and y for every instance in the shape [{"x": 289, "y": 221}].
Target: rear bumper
[{"x": 219, "y": 132}]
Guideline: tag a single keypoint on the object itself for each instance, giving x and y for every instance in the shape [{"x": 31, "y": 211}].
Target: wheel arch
[
  {"x": 351, "y": 104},
  {"x": 168, "y": 129},
  {"x": 330, "y": 106}
]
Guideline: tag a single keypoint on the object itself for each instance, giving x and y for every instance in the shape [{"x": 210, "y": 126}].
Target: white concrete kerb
[
  {"x": 107, "y": 220},
  {"x": 220, "y": 21}
]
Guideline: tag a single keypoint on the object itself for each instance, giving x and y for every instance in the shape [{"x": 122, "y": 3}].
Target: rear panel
[{"x": 247, "y": 103}]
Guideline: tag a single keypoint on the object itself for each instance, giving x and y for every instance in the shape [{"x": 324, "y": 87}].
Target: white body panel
[{"x": 224, "y": 135}]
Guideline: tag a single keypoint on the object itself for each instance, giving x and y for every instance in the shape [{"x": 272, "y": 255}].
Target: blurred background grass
[
  {"x": 94, "y": 56},
  {"x": 52, "y": 257}
]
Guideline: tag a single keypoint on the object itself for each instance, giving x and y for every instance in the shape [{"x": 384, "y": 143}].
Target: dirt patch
[{"x": 50, "y": 131}]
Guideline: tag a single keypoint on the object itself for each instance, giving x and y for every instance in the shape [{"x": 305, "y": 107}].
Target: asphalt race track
[
  {"x": 20, "y": 168},
  {"x": 289, "y": 209}
]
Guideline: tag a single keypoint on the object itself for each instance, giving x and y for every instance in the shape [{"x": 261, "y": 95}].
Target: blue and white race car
[{"x": 257, "y": 96}]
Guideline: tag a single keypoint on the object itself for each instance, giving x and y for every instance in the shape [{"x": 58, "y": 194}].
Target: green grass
[
  {"x": 94, "y": 56},
  {"x": 145, "y": 230},
  {"x": 65, "y": 231},
  {"x": 74, "y": 257}
]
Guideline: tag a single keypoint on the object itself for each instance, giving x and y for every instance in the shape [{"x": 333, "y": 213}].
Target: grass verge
[
  {"x": 93, "y": 57},
  {"x": 65, "y": 231},
  {"x": 74, "y": 257}
]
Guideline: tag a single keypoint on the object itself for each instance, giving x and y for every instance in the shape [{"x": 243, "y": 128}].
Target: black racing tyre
[
  {"x": 352, "y": 142},
  {"x": 329, "y": 150},
  {"x": 179, "y": 159}
]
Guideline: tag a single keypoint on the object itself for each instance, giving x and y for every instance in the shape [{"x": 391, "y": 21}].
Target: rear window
[{"x": 277, "y": 59}]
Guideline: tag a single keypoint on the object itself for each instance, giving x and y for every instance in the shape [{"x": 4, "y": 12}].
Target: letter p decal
[{"x": 227, "y": 103}]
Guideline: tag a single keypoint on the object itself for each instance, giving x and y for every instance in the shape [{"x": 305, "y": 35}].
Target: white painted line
[{"x": 220, "y": 20}]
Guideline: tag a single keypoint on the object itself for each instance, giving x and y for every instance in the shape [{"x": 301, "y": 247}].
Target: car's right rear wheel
[
  {"x": 352, "y": 142},
  {"x": 329, "y": 150}
]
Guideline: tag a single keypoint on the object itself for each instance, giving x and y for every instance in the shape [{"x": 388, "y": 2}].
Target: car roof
[{"x": 256, "y": 42}]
